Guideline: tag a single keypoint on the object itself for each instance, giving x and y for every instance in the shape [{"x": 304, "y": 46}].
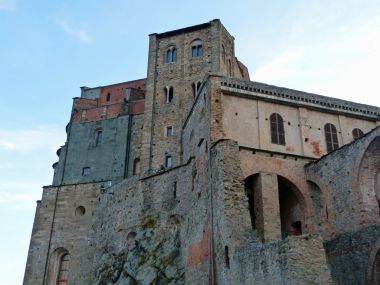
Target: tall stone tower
[{"x": 179, "y": 62}]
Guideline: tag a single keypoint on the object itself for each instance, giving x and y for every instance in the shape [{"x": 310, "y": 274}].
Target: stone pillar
[{"x": 267, "y": 207}]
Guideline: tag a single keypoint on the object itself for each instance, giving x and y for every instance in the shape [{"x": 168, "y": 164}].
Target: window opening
[
  {"x": 331, "y": 137},
  {"x": 63, "y": 270},
  {"x": 277, "y": 129},
  {"x": 169, "y": 131},
  {"x": 226, "y": 257},
  {"x": 169, "y": 94},
  {"x": 357, "y": 133},
  {"x": 197, "y": 49},
  {"x": 168, "y": 161},
  {"x": 136, "y": 166},
  {"x": 86, "y": 171},
  {"x": 171, "y": 55},
  {"x": 98, "y": 137},
  {"x": 108, "y": 97}
]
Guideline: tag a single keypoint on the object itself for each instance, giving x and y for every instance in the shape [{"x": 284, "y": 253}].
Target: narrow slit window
[
  {"x": 98, "y": 137},
  {"x": 331, "y": 137},
  {"x": 277, "y": 129},
  {"x": 136, "y": 166},
  {"x": 169, "y": 94}
]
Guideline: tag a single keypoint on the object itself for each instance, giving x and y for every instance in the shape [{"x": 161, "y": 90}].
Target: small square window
[
  {"x": 168, "y": 161},
  {"x": 169, "y": 131},
  {"x": 86, "y": 171}
]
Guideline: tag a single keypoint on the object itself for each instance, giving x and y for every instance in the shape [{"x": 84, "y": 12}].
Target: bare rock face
[{"x": 152, "y": 257}]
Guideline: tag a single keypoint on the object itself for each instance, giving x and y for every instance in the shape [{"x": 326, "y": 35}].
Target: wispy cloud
[
  {"x": 39, "y": 138},
  {"x": 344, "y": 64},
  {"x": 19, "y": 200},
  {"x": 77, "y": 33},
  {"x": 7, "y": 5}
]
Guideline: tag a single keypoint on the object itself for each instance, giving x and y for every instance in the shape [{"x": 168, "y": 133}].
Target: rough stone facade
[{"x": 185, "y": 177}]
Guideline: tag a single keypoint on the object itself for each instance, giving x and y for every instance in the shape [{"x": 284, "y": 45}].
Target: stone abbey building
[{"x": 197, "y": 175}]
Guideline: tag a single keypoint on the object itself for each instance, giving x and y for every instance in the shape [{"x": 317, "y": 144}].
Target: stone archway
[
  {"x": 292, "y": 208},
  {"x": 369, "y": 181}
]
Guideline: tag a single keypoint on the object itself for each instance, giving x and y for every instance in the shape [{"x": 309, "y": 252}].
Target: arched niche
[
  {"x": 292, "y": 208},
  {"x": 54, "y": 265},
  {"x": 369, "y": 181}
]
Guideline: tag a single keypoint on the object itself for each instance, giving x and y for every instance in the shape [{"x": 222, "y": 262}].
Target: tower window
[
  {"x": 169, "y": 94},
  {"x": 168, "y": 161},
  {"x": 169, "y": 131},
  {"x": 331, "y": 137},
  {"x": 357, "y": 133},
  {"x": 63, "y": 270},
  {"x": 171, "y": 55},
  {"x": 108, "y": 97},
  {"x": 277, "y": 129},
  {"x": 136, "y": 166},
  {"x": 196, "y": 48},
  {"x": 86, "y": 171},
  {"x": 98, "y": 137}
]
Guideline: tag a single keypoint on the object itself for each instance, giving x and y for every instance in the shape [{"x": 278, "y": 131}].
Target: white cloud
[
  {"x": 18, "y": 200},
  {"x": 79, "y": 34},
  {"x": 7, "y": 5},
  {"x": 280, "y": 68},
  {"x": 39, "y": 138},
  {"x": 343, "y": 65}
]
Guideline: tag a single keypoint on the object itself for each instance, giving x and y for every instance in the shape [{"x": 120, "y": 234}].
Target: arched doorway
[
  {"x": 249, "y": 191},
  {"x": 291, "y": 208}
]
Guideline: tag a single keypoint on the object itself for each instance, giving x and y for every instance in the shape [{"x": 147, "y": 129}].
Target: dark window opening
[
  {"x": 108, "y": 97},
  {"x": 136, "y": 166},
  {"x": 331, "y": 137},
  {"x": 169, "y": 94},
  {"x": 277, "y": 129},
  {"x": 226, "y": 257},
  {"x": 98, "y": 137},
  {"x": 168, "y": 161},
  {"x": 63, "y": 270},
  {"x": 169, "y": 131},
  {"x": 291, "y": 210},
  {"x": 86, "y": 171},
  {"x": 175, "y": 189},
  {"x": 357, "y": 133},
  {"x": 249, "y": 191}
]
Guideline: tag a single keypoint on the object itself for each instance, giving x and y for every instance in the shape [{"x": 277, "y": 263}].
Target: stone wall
[
  {"x": 351, "y": 256},
  {"x": 63, "y": 223}
]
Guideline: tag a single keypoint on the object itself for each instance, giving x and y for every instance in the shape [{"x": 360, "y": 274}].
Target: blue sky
[{"x": 48, "y": 49}]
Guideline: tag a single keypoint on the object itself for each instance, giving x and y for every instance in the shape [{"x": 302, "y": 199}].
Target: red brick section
[
  {"x": 88, "y": 110},
  {"x": 200, "y": 251},
  {"x": 316, "y": 147},
  {"x": 117, "y": 91}
]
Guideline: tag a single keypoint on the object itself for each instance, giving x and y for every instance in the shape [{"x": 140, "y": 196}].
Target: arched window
[
  {"x": 357, "y": 133},
  {"x": 196, "y": 87},
  {"x": 277, "y": 129},
  {"x": 171, "y": 55},
  {"x": 63, "y": 269},
  {"x": 196, "y": 48},
  {"x": 98, "y": 137},
  {"x": 331, "y": 137},
  {"x": 136, "y": 166},
  {"x": 169, "y": 93}
]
